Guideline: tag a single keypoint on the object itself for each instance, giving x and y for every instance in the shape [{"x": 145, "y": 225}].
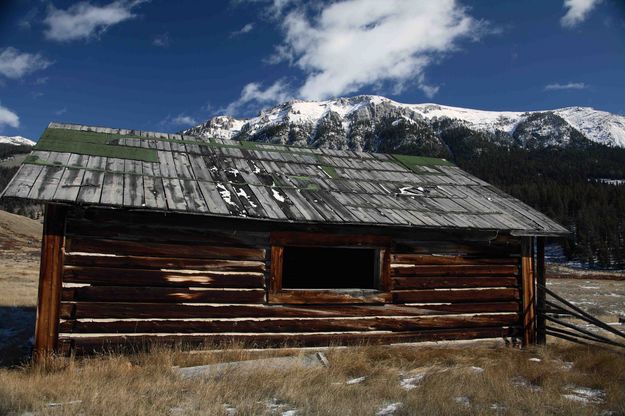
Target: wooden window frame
[{"x": 278, "y": 295}]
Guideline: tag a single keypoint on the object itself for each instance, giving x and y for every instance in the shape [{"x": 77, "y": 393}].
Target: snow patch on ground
[
  {"x": 356, "y": 380},
  {"x": 409, "y": 383},
  {"x": 388, "y": 409},
  {"x": 584, "y": 395},
  {"x": 463, "y": 401}
]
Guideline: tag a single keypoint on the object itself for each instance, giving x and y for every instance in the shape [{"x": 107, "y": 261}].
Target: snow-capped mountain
[
  {"x": 16, "y": 141},
  {"x": 379, "y": 124}
]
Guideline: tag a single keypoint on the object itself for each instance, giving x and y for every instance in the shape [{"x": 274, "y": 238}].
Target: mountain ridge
[
  {"x": 16, "y": 141},
  {"x": 375, "y": 123}
]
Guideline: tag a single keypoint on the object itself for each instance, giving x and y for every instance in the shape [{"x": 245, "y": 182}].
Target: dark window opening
[{"x": 329, "y": 268}]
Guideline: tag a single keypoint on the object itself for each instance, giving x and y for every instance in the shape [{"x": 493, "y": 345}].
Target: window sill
[{"x": 330, "y": 296}]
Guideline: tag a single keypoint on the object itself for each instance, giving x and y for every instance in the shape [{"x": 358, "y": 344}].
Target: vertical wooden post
[
  {"x": 541, "y": 296},
  {"x": 527, "y": 292},
  {"x": 277, "y": 261},
  {"x": 50, "y": 281}
]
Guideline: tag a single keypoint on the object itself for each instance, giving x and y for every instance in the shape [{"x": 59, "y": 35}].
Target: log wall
[{"x": 134, "y": 278}]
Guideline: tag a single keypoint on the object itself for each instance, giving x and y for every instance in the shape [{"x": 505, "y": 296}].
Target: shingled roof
[{"x": 168, "y": 172}]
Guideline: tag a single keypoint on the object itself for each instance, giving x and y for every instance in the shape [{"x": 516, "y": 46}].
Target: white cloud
[
  {"x": 245, "y": 29},
  {"x": 162, "y": 40},
  {"x": 183, "y": 120},
  {"x": 84, "y": 20},
  {"x": 253, "y": 93},
  {"x": 41, "y": 80},
  {"x": 15, "y": 64},
  {"x": 179, "y": 120},
  {"x": 578, "y": 11},
  {"x": 570, "y": 86},
  {"x": 344, "y": 46},
  {"x": 8, "y": 118},
  {"x": 61, "y": 111}
]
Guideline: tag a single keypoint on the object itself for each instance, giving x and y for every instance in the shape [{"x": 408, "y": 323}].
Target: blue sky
[{"x": 165, "y": 65}]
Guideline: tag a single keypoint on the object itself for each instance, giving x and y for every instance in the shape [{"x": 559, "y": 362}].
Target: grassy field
[{"x": 470, "y": 378}]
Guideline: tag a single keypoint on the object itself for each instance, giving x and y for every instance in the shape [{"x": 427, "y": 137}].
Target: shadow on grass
[{"x": 17, "y": 327}]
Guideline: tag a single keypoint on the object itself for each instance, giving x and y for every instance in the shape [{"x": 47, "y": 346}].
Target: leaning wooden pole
[
  {"x": 50, "y": 281},
  {"x": 541, "y": 295},
  {"x": 528, "y": 293}
]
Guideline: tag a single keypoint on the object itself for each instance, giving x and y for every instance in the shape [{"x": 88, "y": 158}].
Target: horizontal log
[
  {"x": 329, "y": 296},
  {"x": 443, "y": 247},
  {"x": 289, "y": 325},
  {"x": 420, "y": 259},
  {"x": 159, "y": 232},
  {"x": 455, "y": 270},
  {"x": 324, "y": 239},
  {"x": 82, "y": 310},
  {"x": 140, "y": 248},
  {"x": 84, "y": 344},
  {"x": 468, "y": 295},
  {"x": 147, "y": 277},
  {"x": 161, "y": 294},
  {"x": 453, "y": 282},
  {"x": 140, "y": 262}
]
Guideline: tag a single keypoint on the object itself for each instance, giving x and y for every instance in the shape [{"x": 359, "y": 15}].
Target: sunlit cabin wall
[{"x": 131, "y": 278}]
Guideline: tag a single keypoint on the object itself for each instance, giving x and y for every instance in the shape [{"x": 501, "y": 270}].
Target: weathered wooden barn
[{"x": 161, "y": 237}]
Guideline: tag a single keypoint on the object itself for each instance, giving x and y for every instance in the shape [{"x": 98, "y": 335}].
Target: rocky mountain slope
[
  {"x": 16, "y": 141},
  {"x": 379, "y": 124}
]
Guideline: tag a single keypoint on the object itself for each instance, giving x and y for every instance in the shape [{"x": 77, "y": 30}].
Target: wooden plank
[
  {"x": 166, "y": 162},
  {"x": 133, "y": 191},
  {"x": 174, "y": 194},
  {"x": 69, "y": 185},
  {"x": 193, "y": 196},
  {"x": 312, "y": 297},
  {"x": 129, "y": 310},
  {"x": 85, "y": 344},
  {"x": 136, "y": 248},
  {"x": 164, "y": 263},
  {"x": 386, "y": 282},
  {"x": 214, "y": 202},
  {"x": 453, "y": 282},
  {"x": 292, "y": 325},
  {"x": 307, "y": 211},
  {"x": 420, "y": 259},
  {"x": 183, "y": 165},
  {"x": 528, "y": 292},
  {"x": 23, "y": 181},
  {"x": 91, "y": 187},
  {"x": 333, "y": 240},
  {"x": 455, "y": 270},
  {"x": 541, "y": 282},
  {"x": 46, "y": 183},
  {"x": 150, "y": 277},
  {"x": 162, "y": 294},
  {"x": 165, "y": 231},
  {"x": 154, "y": 193},
  {"x": 50, "y": 280},
  {"x": 455, "y": 295},
  {"x": 112, "y": 189},
  {"x": 277, "y": 261}
]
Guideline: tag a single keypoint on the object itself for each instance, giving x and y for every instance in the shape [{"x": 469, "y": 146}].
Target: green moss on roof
[
  {"x": 330, "y": 171},
  {"x": 413, "y": 162},
  {"x": 92, "y": 144}
]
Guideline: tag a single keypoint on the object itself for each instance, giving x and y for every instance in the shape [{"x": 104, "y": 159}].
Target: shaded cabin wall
[{"x": 138, "y": 277}]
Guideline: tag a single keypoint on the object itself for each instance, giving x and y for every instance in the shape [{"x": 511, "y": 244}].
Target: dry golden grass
[{"x": 144, "y": 384}]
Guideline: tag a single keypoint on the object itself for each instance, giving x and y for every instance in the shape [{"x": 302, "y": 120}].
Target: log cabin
[{"x": 154, "y": 237}]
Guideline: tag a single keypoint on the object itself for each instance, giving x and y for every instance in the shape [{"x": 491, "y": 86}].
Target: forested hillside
[{"x": 562, "y": 182}]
